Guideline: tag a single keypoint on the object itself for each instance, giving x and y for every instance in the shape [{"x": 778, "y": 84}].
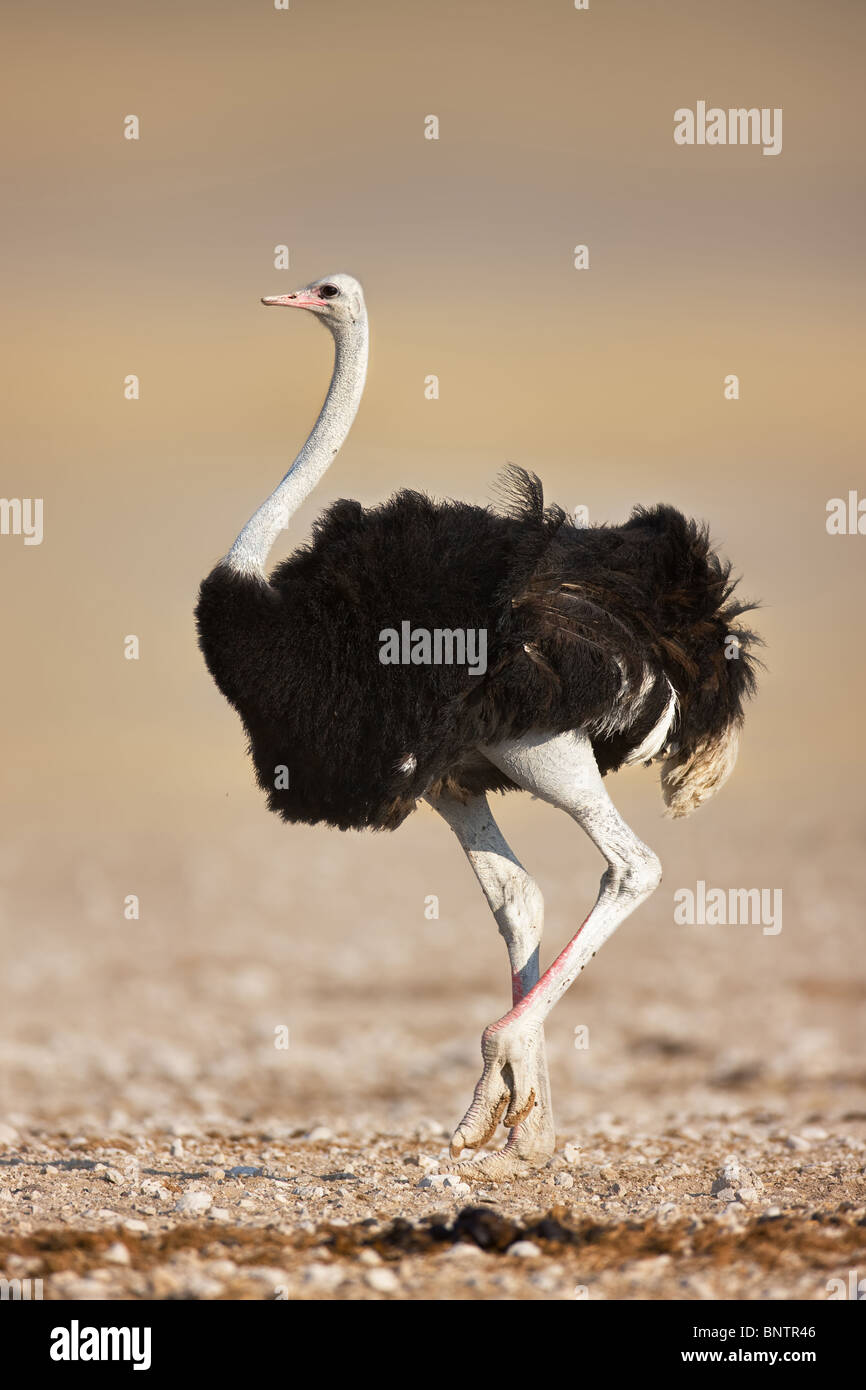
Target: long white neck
[{"x": 250, "y": 551}]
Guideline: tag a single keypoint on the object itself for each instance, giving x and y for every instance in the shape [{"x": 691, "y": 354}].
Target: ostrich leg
[
  {"x": 560, "y": 769},
  {"x": 516, "y": 903}
]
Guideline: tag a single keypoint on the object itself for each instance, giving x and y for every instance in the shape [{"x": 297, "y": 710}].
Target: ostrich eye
[{"x": 328, "y": 291}]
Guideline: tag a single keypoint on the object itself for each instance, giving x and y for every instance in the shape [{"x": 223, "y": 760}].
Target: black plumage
[{"x": 587, "y": 628}]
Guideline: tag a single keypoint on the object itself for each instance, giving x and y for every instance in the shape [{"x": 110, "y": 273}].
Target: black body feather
[{"x": 578, "y": 622}]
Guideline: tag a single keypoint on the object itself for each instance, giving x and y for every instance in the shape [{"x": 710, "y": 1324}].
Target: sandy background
[{"x": 148, "y": 257}]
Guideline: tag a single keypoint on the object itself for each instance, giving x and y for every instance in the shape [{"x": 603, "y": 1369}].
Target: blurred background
[{"x": 306, "y": 128}]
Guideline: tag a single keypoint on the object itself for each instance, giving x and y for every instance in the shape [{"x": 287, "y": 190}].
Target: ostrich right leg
[
  {"x": 517, "y": 905},
  {"x": 560, "y": 769}
]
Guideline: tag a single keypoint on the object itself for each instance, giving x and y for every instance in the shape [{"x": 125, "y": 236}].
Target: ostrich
[{"x": 605, "y": 645}]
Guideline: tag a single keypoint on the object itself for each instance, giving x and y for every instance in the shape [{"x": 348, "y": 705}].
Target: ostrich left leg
[
  {"x": 562, "y": 770},
  {"x": 517, "y": 905}
]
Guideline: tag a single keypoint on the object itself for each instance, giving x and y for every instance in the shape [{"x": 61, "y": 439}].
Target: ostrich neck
[{"x": 250, "y": 551}]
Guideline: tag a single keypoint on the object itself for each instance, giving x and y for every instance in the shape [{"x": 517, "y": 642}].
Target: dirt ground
[{"x": 156, "y": 1141}]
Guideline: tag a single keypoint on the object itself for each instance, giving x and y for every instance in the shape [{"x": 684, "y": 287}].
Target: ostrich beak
[{"x": 301, "y": 299}]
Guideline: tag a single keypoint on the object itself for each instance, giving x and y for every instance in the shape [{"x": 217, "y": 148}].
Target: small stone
[
  {"x": 733, "y": 1215},
  {"x": 219, "y": 1213},
  {"x": 322, "y": 1276},
  {"x": 176, "y": 1148},
  {"x": 215, "y": 1174},
  {"x": 117, "y": 1254},
  {"x": 152, "y": 1188},
  {"x": 194, "y": 1203},
  {"x": 797, "y": 1142},
  {"x": 563, "y": 1180},
  {"x": 524, "y": 1250},
  {"x": 747, "y": 1194},
  {"x": 113, "y": 1175},
  {"x": 164, "y": 1282},
  {"x": 382, "y": 1280},
  {"x": 725, "y": 1194},
  {"x": 197, "y": 1285},
  {"x": 814, "y": 1133},
  {"x": 729, "y": 1176},
  {"x": 571, "y": 1153},
  {"x": 133, "y": 1225},
  {"x": 8, "y": 1136},
  {"x": 451, "y": 1182},
  {"x": 320, "y": 1135},
  {"x": 369, "y": 1257},
  {"x": 243, "y": 1171}
]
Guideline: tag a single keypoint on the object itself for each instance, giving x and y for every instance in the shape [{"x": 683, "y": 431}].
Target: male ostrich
[{"x": 606, "y": 645}]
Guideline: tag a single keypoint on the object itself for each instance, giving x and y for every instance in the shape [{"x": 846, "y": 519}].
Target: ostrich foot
[{"x": 513, "y": 1089}]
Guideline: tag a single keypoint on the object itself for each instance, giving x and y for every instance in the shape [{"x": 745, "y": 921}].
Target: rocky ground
[
  {"x": 246, "y": 1091},
  {"x": 199, "y": 1215}
]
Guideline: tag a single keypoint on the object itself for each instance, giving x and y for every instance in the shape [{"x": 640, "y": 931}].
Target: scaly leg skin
[
  {"x": 532, "y": 1138},
  {"x": 560, "y": 769},
  {"x": 517, "y": 905}
]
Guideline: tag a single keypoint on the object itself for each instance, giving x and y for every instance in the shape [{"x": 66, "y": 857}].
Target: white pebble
[
  {"x": 797, "y": 1143},
  {"x": 730, "y": 1176},
  {"x": 117, "y": 1254},
  {"x": 323, "y": 1276},
  {"x": 524, "y": 1250},
  {"x": 152, "y": 1188},
  {"x": 194, "y": 1203},
  {"x": 382, "y": 1280},
  {"x": 444, "y": 1181},
  {"x": 564, "y": 1180}
]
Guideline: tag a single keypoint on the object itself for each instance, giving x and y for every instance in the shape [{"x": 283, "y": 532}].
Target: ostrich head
[{"x": 337, "y": 300}]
